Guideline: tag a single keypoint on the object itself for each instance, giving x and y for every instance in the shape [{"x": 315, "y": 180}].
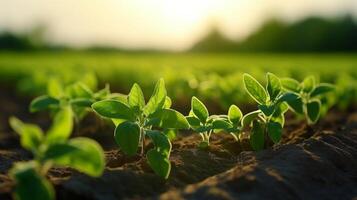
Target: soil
[{"x": 318, "y": 162}]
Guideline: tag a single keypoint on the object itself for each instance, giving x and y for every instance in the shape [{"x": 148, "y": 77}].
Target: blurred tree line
[{"x": 312, "y": 34}]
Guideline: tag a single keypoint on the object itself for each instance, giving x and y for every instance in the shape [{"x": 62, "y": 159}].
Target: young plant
[
  {"x": 267, "y": 122},
  {"x": 135, "y": 119},
  {"x": 200, "y": 121},
  {"x": 310, "y": 96},
  {"x": 52, "y": 149}
]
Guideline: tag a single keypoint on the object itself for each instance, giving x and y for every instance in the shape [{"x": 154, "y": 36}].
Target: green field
[{"x": 215, "y": 77}]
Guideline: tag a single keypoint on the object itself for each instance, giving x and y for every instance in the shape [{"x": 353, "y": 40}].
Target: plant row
[{"x": 137, "y": 121}]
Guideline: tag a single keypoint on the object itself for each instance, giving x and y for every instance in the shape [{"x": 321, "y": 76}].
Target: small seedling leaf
[
  {"x": 168, "y": 102},
  {"x": 199, "y": 109},
  {"x": 170, "y": 118},
  {"x": 159, "y": 163},
  {"x": 81, "y": 102},
  {"x": 322, "y": 88},
  {"x": 297, "y": 105},
  {"x": 234, "y": 114},
  {"x": 221, "y": 124},
  {"x": 267, "y": 110},
  {"x": 255, "y": 89},
  {"x": 55, "y": 88},
  {"x": 274, "y": 131},
  {"x": 287, "y": 97},
  {"x": 31, "y": 135},
  {"x": 62, "y": 126},
  {"x": 308, "y": 84},
  {"x": 249, "y": 117},
  {"x": 29, "y": 183},
  {"x": 273, "y": 86},
  {"x": 193, "y": 121},
  {"x": 127, "y": 136},
  {"x": 157, "y": 100},
  {"x": 42, "y": 103},
  {"x": 290, "y": 85},
  {"x": 313, "y": 110},
  {"x": 113, "y": 109},
  {"x": 161, "y": 142},
  {"x": 257, "y": 136},
  {"x": 136, "y": 98}
]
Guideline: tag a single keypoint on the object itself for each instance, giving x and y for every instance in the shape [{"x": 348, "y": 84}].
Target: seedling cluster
[{"x": 137, "y": 121}]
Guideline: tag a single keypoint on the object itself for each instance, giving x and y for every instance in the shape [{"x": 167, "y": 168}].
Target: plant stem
[{"x": 142, "y": 135}]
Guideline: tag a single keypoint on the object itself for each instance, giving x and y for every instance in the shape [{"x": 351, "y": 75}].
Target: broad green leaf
[
  {"x": 29, "y": 183},
  {"x": 322, "y": 88},
  {"x": 290, "y": 84},
  {"x": 193, "y": 121},
  {"x": 267, "y": 110},
  {"x": 159, "y": 163},
  {"x": 55, "y": 88},
  {"x": 199, "y": 109},
  {"x": 279, "y": 119},
  {"x": 157, "y": 100},
  {"x": 127, "y": 136},
  {"x": 113, "y": 109},
  {"x": 170, "y": 118},
  {"x": 280, "y": 109},
  {"x": 202, "y": 129},
  {"x": 313, "y": 110},
  {"x": 31, "y": 136},
  {"x": 274, "y": 131},
  {"x": 255, "y": 89},
  {"x": 171, "y": 134},
  {"x": 161, "y": 142},
  {"x": 287, "y": 97},
  {"x": 249, "y": 117},
  {"x": 273, "y": 86},
  {"x": 168, "y": 102},
  {"x": 81, "y": 102},
  {"x": 82, "y": 154},
  {"x": 297, "y": 105},
  {"x": 43, "y": 103},
  {"x": 136, "y": 97},
  {"x": 308, "y": 84},
  {"x": 221, "y": 124},
  {"x": 61, "y": 127},
  {"x": 234, "y": 114},
  {"x": 257, "y": 136}
]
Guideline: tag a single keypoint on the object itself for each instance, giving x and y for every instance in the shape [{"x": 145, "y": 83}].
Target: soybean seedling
[
  {"x": 135, "y": 119},
  {"x": 267, "y": 122},
  {"x": 310, "y": 96},
  {"x": 200, "y": 121},
  {"x": 52, "y": 149}
]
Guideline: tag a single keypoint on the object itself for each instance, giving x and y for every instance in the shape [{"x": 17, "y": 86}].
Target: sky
[{"x": 158, "y": 24}]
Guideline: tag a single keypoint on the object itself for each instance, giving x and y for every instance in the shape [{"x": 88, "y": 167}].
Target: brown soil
[{"x": 316, "y": 162}]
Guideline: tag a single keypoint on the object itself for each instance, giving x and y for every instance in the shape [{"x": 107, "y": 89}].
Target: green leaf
[
  {"x": 103, "y": 93},
  {"x": 42, "y": 103},
  {"x": 221, "y": 124},
  {"x": 168, "y": 102},
  {"x": 113, "y": 109},
  {"x": 255, "y": 89},
  {"x": 81, "y": 102},
  {"x": 199, "y": 109},
  {"x": 161, "y": 142},
  {"x": 82, "y": 154},
  {"x": 157, "y": 100},
  {"x": 290, "y": 84},
  {"x": 127, "y": 136},
  {"x": 55, "y": 88},
  {"x": 287, "y": 97},
  {"x": 297, "y": 105},
  {"x": 274, "y": 131},
  {"x": 171, "y": 134},
  {"x": 78, "y": 90},
  {"x": 257, "y": 136},
  {"x": 170, "y": 118},
  {"x": 159, "y": 163},
  {"x": 136, "y": 98},
  {"x": 29, "y": 183},
  {"x": 267, "y": 110},
  {"x": 322, "y": 88},
  {"x": 279, "y": 119},
  {"x": 249, "y": 117},
  {"x": 31, "y": 136},
  {"x": 193, "y": 121},
  {"x": 313, "y": 110},
  {"x": 308, "y": 84},
  {"x": 234, "y": 114},
  {"x": 62, "y": 126},
  {"x": 273, "y": 86}
]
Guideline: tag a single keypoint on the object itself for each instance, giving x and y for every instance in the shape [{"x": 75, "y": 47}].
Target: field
[{"x": 312, "y": 159}]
